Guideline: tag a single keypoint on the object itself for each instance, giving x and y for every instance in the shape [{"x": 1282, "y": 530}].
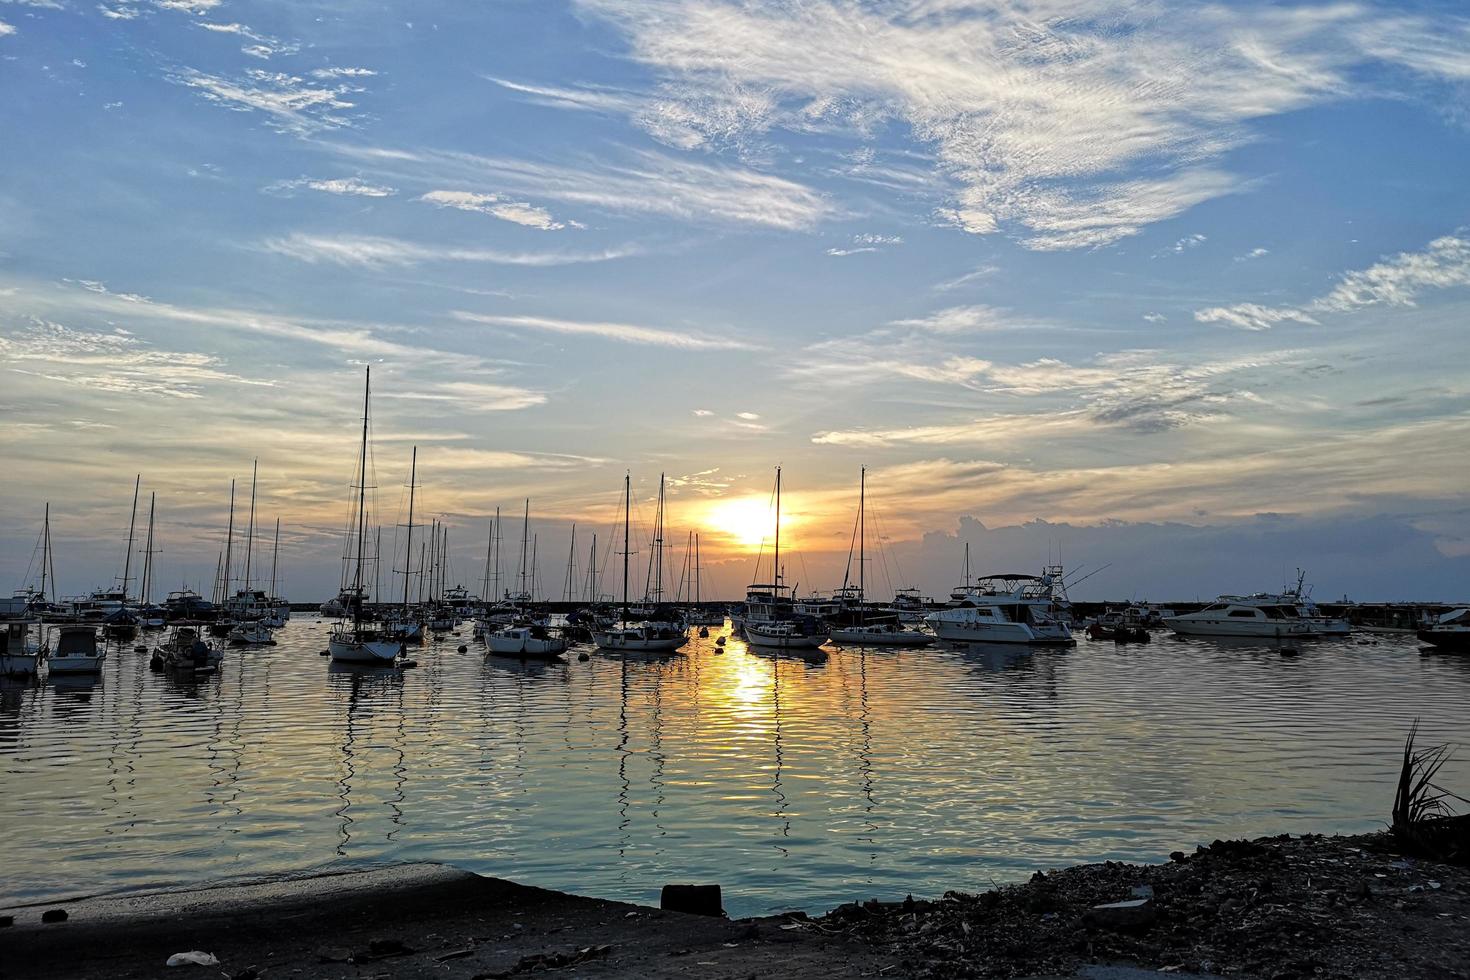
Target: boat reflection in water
[{"x": 795, "y": 782}]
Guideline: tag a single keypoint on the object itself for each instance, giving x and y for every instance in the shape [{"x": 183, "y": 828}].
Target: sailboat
[
  {"x": 771, "y": 619},
  {"x": 278, "y": 610},
  {"x": 353, "y": 641},
  {"x": 525, "y": 637},
  {"x": 121, "y": 624},
  {"x": 404, "y": 625},
  {"x": 150, "y": 616},
  {"x": 35, "y": 601},
  {"x": 646, "y": 637},
  {"x": 861, "y": 629},
  {"x": 698, "y": 615}
]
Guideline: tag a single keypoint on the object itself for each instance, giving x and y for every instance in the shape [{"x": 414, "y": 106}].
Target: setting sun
[{"x": 746, "y": 521}]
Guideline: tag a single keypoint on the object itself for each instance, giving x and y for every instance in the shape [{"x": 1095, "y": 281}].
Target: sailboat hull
[
  {"x": 615, "y": 640},
  {"x": 349, "y": 650},
  {"x": 859, "y": 636},
  {"x": 19, "y": 664}
]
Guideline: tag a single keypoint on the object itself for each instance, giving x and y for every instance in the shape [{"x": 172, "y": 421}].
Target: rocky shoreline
[{"x": 1282, "y": 907}]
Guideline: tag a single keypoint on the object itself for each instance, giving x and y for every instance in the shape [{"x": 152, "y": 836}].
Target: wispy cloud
[
  {"x": 1044, "y": 117},
  {"x": 583, "y": 98},
  {"x": 963, "y": 319},
  {"x": 346, "y": 186},
  {"x": 1395, "y": 281},
  {"x": 1252, "y": 316},
  {"x": 633, "y": 182},
  {"x": 516, "y": 212},
  {"x": 6, "y": 29},
  {"x": 291, "y": 104},
  {"x": 1255, "y": 253},
  {"x": 627, "y": 333},
  {"x": 377, "y": 252},
  {"x": 116, "y": 362},
  {"x": 1182, "y": 245}
]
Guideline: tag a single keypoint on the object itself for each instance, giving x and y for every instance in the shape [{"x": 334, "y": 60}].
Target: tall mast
[
  {"x": 495, "y": 536},
  {"x": 698, "y": 575},
  {"x": 592, "y": 571},
  {"x": 361, "y": 503},
  {"x": 862, "y": 541},
  {"x": 433, "y": 559},
  {"x": 128, "y": 555},
  {"x": 45, "y": 549},
  {"x": 378, "y": 566},
  {"x": 413, "y": 469},
  {"x": 967, "y": 563},
  {"x": 658, "y": 555},
  {"x": 535, "y": 539},
  {"x": 219, "y": 564},
  {"x": 777, "y": 560},
  {"x": 571, "y": 562},
  {"x": 145, "y": 589},
  {"x": 250, "y": 534},
  {"x": 224, "y": 587},
  {"x": 627, "y": 542},
  {"x": 444, "y": 561},
  {"x": 489, "y": 550},
  {"x": 275, "y": 553},
  {"x": 525, "y": 533}
]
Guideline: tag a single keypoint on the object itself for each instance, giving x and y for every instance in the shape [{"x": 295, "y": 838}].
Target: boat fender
[
  {"x": 582, "y": 657},
  {"x": 463, "y": 648},
  {"x": 325, "y": 653}
]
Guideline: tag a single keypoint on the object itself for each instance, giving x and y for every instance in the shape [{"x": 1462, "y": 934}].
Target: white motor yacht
[
  {"x": 528, "y": 641},
  {"x": 1006, "y": 608},
  {"x": 1450, "y": 632}
]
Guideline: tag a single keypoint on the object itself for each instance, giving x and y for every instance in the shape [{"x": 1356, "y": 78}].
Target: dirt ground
[{"x": 1273, "y": 909}]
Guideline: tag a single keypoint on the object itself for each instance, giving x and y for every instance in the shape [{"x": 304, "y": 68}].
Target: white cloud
[
  {"x": 376, "y": 252},
  {"x": 961, "y": 319},
  {"x": 517, "y": 212},
  {"x": 347, "y": 186},
  {"x": 291, "y": 105},
  {"x": 1182, "y": 245},
  {"x": 626, "y": 333},
  {"x": 1255, "y": 253},
  {"x": 634, "y": 183},
  {"x": 1155, "y": 317},
  {"x": 747, "y": 416},
  {"x": 1396, "y": 281},
  {"x": 119, "y": 11},
  {"x": 703, "y": 413},
  {"x": 584, "y": 98},
  {"x": 1252, "y": 316},
  {"x": 840, "y": 252},
  {"x": 1078, "y": 123},
  {"x": 342, "y": 72},
  {"x": 6, "y": 29},
  {"x": 975, "y": 275},
  {"x": 188, "y": 6}
]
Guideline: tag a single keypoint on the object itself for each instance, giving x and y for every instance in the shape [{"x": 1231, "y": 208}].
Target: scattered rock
[
  {"x": 54, "y": 915},
  {"x": 1133, "y": 915},
  {"x": 195, "y": 957},
  {"x": 6, "y": 921}
]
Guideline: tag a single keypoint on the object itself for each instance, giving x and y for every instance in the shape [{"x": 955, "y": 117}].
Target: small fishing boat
[
  {"x": 76, "y": 651},
  {"x": 186, "y": 650},
  {"x": 1450, "y": 632},
  {"x": 21, "y": 654}
]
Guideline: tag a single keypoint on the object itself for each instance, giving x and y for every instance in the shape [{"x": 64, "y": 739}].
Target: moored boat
[
  {"x": 76, "y": 651},
  {"x": 1450, "y": 632},
  {"x": 1004, "y": 608},
  {"x": 21, "y": 653},
  {"x": 770, "y": 619}
]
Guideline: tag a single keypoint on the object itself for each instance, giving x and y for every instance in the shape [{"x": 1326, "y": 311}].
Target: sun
[{"x": 747, "y": 521}]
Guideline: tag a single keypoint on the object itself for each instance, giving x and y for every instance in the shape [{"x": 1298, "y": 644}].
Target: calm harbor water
[{"x": 793, "y": 784}]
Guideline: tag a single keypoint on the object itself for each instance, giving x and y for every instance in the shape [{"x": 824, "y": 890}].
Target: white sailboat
[
  {"x": 524, "y": 637},
  {"x": 356, "y": 641},
  {"x": 861, "y": 628},
  {"x": 771, "y": 620},
  {"x": 698, "y": 614},
  {"x": 628, "y": 636}
]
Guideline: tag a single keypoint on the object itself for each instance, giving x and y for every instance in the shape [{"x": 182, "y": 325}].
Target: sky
[{"x": 1173, "y": 293}]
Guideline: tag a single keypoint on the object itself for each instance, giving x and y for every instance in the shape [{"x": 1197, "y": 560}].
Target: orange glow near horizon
[{"x": 744, "y": 522}]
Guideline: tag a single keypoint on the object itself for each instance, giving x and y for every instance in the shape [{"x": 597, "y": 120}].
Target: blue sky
[{"x": 1117, "y": 267}]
